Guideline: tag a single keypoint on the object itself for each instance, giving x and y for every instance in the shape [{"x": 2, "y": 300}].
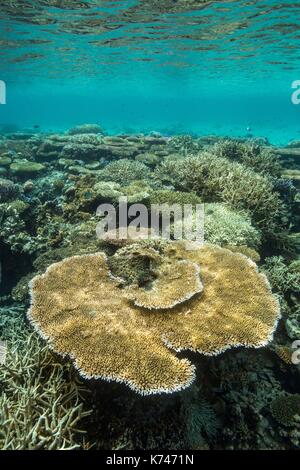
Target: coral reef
[
  {"x": 168, "y": 196},
  {"x": 260, "y": 159},
  {"x": 25, "y": 168},
  {"x": 50, "y": 188}
]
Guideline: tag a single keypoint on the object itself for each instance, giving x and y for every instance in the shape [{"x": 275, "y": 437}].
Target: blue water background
[{"x": 224, "y": 70}]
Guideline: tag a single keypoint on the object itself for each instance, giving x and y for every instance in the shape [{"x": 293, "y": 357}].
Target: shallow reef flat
[{"x": 140, "y": 343}]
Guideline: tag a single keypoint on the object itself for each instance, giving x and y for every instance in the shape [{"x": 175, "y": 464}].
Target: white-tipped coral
[{"x": 84, "y": 314}]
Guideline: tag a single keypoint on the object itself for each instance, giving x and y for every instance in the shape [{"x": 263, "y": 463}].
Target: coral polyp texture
[
  {"x": 80, "y": 309},
  {"x": 84, "y": 314}
]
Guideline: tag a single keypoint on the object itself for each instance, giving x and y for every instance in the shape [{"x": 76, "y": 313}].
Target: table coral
[
  {"x": 84, "y": 314},
  {"x": 88, "y": 319}
]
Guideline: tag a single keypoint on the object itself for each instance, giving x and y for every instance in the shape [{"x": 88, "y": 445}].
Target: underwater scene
[{"x": 149, "y": 225}]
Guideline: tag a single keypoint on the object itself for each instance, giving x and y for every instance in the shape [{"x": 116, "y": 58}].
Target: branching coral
[
  {"x": 284, "y": 278},
  {"x": 84, "y": 314},
  {"x": 223, "y": 226},
  {"x": 217, "y": 179},
  {"x": 40, "y": 402},
  {"x": 258, "y": 158},
  {"x": 167, "y": 196}
]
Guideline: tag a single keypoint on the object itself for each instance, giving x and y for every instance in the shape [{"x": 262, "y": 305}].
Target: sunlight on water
[{"x": 173, "y": 66}]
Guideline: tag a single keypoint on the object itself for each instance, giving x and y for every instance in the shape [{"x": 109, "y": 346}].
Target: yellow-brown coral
[
  {"x": 285, "y": 353},
  {"x": 177, "y": 281},
  {"x": 85, "y": 315},
  {"x": 79, "y": 308}
]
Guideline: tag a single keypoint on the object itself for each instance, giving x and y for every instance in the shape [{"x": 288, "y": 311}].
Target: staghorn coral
[
  {"x": 84, "y": 314},
  {"x": 41, "y": 399},
  {"x": 167, "y": 196},
  {"x": 284, "y": 278},
  {"x": 260, "y": 159},
  {"x": 285, "y": 408},
  {"x": 217, "y": 179}
]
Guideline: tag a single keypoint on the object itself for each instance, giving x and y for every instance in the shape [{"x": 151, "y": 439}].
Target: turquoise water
[
  {"x": 147, "y": 344},
  {"x": 224, "y": 69}
]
